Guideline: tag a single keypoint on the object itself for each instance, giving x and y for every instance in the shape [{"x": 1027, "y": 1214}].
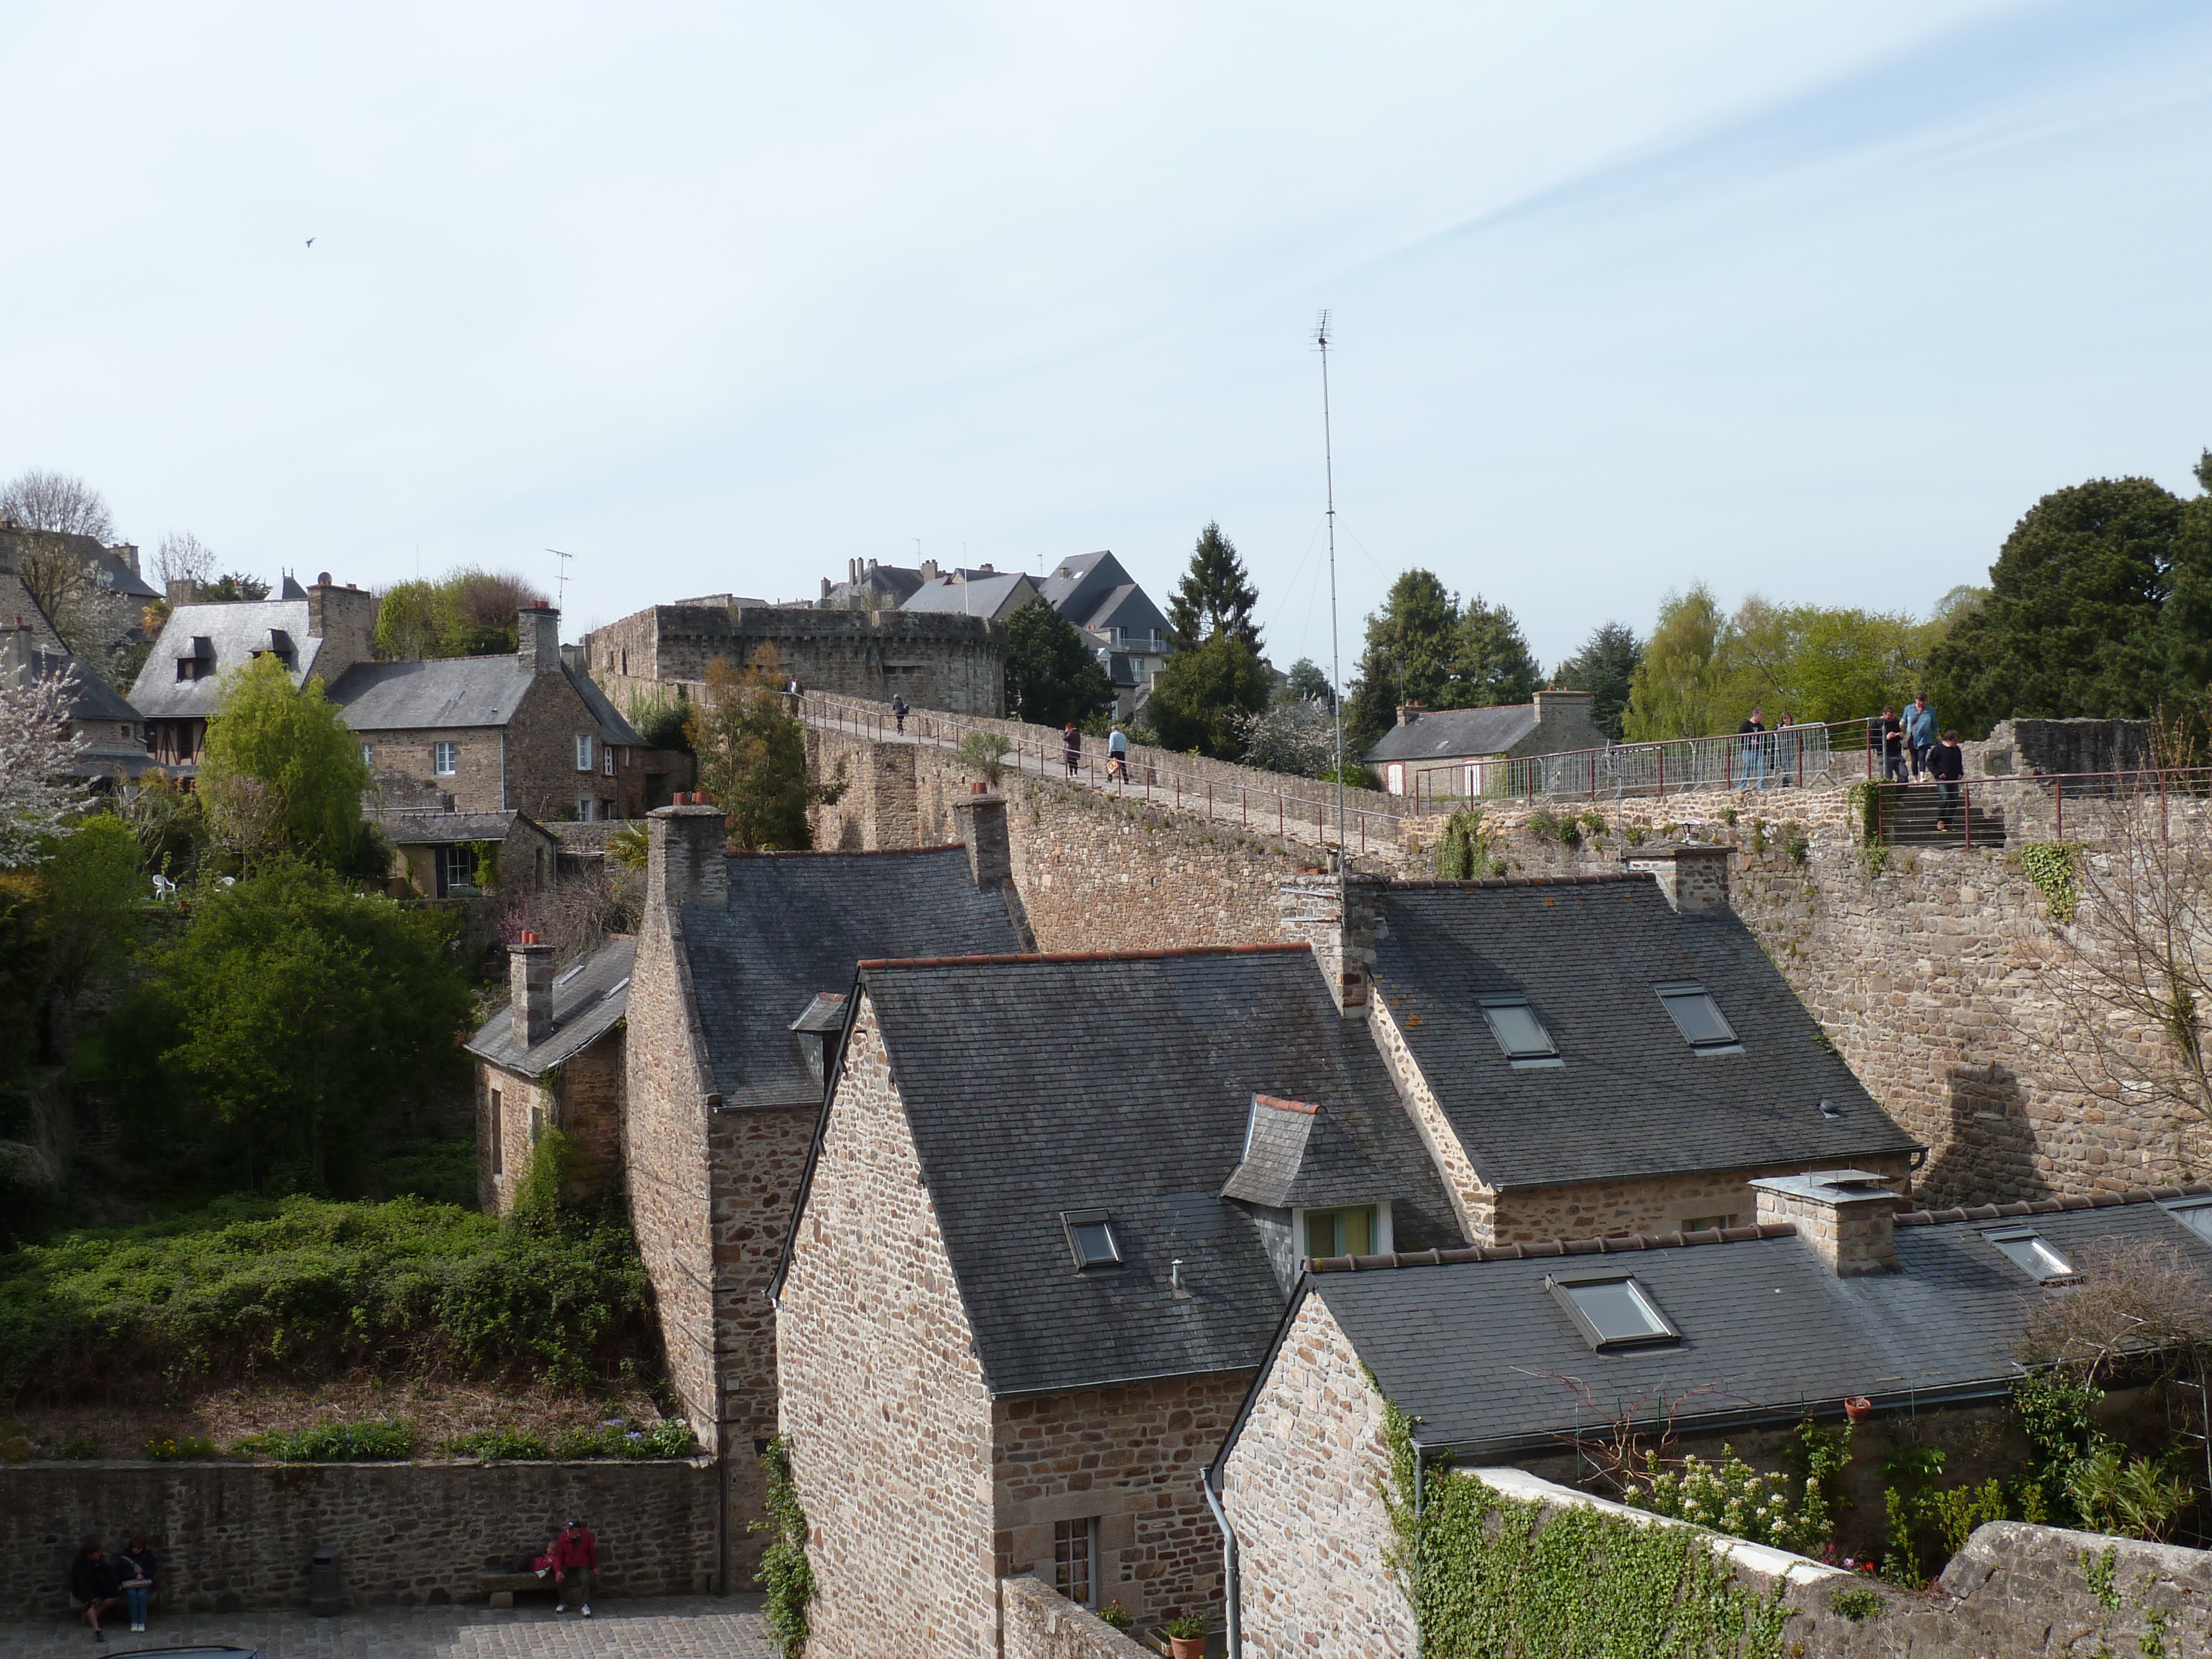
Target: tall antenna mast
[
  {"x": 1335, "y": 668},
  {"x": 560, "y": 584}
]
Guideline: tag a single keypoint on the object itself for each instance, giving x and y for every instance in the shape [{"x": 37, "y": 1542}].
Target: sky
[{"x": 1812, "y": 301}]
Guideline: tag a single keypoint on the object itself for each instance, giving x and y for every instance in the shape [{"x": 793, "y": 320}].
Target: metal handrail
[
  {"x": 1807, "y": 756},
  {"x": 1298, "y": 815}
]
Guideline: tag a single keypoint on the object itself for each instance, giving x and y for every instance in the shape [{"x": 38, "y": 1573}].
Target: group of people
[
  {"x": 1117, "y": 751},
  {"x": 1912, "y": 739},
  {"x": 101, "y": 1584},
  {"x": 571, "y": 1560}
]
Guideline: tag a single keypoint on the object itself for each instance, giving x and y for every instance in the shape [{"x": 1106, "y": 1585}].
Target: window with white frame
[
  {"x": 445, "y": 758},
  {"x": 368, "y": 756},
  {"x": 583, "y": 751},
  {"x": 1075, "y": 1560},
  {"x": 587, "y": 810},
  {"x": 608, "y": 757}
]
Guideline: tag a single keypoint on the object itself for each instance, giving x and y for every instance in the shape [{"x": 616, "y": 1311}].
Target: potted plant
[
  {"x": 1858, "y": 1408},
  {"x": 1117, "y": 1615},
  {"x": 1186, "y": 1633}
]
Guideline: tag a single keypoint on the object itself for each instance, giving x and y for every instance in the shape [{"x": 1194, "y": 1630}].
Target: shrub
[
  {"x": 390, "y": 1441},
  {"x": 785, "y": 1572},
  {"x": 1729, "y": 1496},
  {"x": 81, "y": 1447},
  {"x": 1468, "y": 851},
  {"x": 1567, "y": 830},
  {"x": 171, "y": 1448},
  {"x": 1856, "y": 1602},
  {"x": 509, "y": 1445},
  {"x": 1117, "y": 1615},
  {"x": 985, "y": 752}
]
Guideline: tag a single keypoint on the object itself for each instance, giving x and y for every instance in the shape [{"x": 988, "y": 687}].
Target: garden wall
[
  {"x": 1037, "y": 1622},
  {"x": 234, "y": 1536}
]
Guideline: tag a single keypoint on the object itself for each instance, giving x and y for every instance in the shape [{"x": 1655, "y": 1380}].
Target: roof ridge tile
[
  {"x": 2051, "y": 1206},
  {"x": 845, "y": 852},
  {"x": 1610, "y": 1245},
  {"x": 1032, "y": 957}
]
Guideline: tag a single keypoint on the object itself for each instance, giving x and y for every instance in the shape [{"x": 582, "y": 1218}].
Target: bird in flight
[{"x": 311, "y": 241}]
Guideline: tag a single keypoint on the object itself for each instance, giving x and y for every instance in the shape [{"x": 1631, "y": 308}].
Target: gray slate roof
[
  {"x": 16, "y": 603},
  {"x": 796, "y": 926},
  {"x": 235, "y": 631},
  {"x": 1632, "y": 1098},
  {"x": 1450, "y": 734},
  {"x": 588, "y": 997},
  {"x": 1053, "y": 1084},
  {"x": 1466, "y": 1348},
  {"x": 1298, "y": 1156},
  {"x": 457, "y": 692},
  {"x": 979, "y": 596},
  {"x": 405, "y": 826},
  {"x": 96, "y": 700}
]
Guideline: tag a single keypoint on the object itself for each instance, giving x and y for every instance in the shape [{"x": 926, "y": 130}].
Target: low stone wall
[
  {"x": 1037, "y": 1622},
  {"x": 235, "y": 1536}
]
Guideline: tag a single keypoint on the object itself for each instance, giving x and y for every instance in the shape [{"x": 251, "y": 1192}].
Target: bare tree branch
[{"x": 54, "y": 501}]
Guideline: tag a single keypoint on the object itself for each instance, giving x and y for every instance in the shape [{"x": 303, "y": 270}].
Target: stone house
[
  {"x": 113, "y": 734},
  {"x": 1051, "y": 1213},
  {"x": 739, "y": 959},
  {"x": 554, "y": 1058},
  {"x": 507, "y": 733},
  {"x": 1116, "y": 616},
  {"x": 1594, "y": 1053},
  {"x": 1463, "y": 748},
  {"x": 1524, "y": 1355},
  {"x": 107, "y": 602},
  {"x": 955, "y": 663},
  {"x": 323, "y": 633},
  {"x": 994, "y": 595},
  {"x": 439, "y": 852}
]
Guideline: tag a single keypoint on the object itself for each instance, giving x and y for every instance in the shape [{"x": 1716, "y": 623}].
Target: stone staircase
[{"x": 1909, "y": 819}]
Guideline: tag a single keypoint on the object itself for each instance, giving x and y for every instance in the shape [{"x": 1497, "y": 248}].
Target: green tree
[
  {"x": 467, "y": 612},
  {"x": 1411, "y": 644},
  {"x": 1205, "y": 695},
  {"x": 1306, "y": 683},
  {"x": 1817, "y": 663},
  {"x": 1605, "y": 667},
  {"x": 752, "y": 755},
  {"x": 1492, "y": 665},
  {"x": 294, "y": 746},
  {"x": 1675, "y": 690},
  {"x": 1052, "y": 675},
  {"x": 313, "y": 1013},
  {"x": 2187, "y": 622},
  {"x": 90, "y": 896},
  {"x": 1215, "y": 597},
  {"x": 2074, "y": 623},
  {"x": 232, "y": 587}
]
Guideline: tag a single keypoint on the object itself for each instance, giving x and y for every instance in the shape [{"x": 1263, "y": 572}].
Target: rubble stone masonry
[
  {"x": 582, "y": 1099},
  {"x": 1304, "y": 1493},
  {"x": 883, "y": 1402}
]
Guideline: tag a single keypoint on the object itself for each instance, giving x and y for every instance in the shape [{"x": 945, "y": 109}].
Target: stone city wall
[
  {"x": 235, "y": 1536},
  {"x": 1037, "y": 1622}
]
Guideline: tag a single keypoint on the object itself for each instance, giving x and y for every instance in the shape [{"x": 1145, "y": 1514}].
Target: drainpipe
[{"x": 1229, "y": 1565}]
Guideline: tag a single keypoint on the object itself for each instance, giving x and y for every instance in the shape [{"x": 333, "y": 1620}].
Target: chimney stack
[
  {"x": 983, "y": 820},
  {"x": 529, "y": 990},
  {"x": 1693, "y": 876},
  {"x": 686, "y": 860},
  {"x": 183, "y": 590},
  {"x": 1344, "y": 947},
  {"x": 1408, "y": 713},
  {"x": 537, "y": 639},
  {"x": 1846, "y": 1215}
]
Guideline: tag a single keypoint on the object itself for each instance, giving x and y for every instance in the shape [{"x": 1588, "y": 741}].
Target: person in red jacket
[{"x": 576, "y": 1559}]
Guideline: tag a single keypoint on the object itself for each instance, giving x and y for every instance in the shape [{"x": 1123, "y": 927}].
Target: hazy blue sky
[{"x": 1813, "y": 300}]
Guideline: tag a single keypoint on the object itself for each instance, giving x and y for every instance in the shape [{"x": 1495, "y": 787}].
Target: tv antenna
[
  {"x": 560, "y": 582},
  {"x": 1335, "y": 668}
]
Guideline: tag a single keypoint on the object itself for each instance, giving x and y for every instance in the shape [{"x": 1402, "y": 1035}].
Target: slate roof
[
  {"x": 16, "y": 604},
  {"x": 1035, "y": 1085},
  {"x": 112, "y": 573},
  {"x": 457, "y": 692},
  {"x": 796, "y": 925},
  {"x": 987, "y": 596},
  {"x": 588, "y": 997},
  {"x": 1474, "y": 1350},
  {"x": 234, "y": 631},
  {"x": 1449, "y": 733},
  {"x": 1093, "y": 590},
  {"x": 1298, "y": 1156},
  {"x": 404, "y": 827},
  {"x": 1632, "y": 1098},
  {"x": 96, "y": 700}
]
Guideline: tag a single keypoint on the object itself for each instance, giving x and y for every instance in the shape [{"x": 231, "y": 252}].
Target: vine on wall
[
  {"x": 1487, "y": 1574},
  {"x": 2055, "y": 867},
  {"x": 785, "y": 1572}
]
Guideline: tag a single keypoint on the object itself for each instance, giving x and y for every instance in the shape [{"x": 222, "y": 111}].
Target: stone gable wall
[
  {"x": 1302, "y": 1489},
  {"x": 1129, "y": 1458},
  {"x": 884, "y": 1404},
  {"x": 583, "y": 1098},
  {"x": 235, "y": 1536}
]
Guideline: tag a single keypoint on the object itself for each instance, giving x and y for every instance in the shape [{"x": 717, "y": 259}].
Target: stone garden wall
[{"x": 234, "y": 1536}]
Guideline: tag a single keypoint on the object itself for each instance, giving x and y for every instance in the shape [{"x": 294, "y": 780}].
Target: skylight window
[
  {"x": 1520, "y": 1033},
  {"x": 2194, "y": 1214},
  {"x": 1612, "y": 1311},
  {"x": 1090, "y": 1238},
  {"x": 2026, "y": 1249},
  {"x": 1700, "y": 1019}
]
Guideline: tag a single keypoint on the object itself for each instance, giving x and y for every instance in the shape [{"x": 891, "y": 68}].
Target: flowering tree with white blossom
[{"x": 37, "y": 795}]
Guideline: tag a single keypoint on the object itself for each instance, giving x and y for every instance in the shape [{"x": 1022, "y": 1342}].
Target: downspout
[{"x": 1229, "y": 1569}]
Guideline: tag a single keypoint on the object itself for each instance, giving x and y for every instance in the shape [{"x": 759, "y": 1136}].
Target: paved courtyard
[{"x": 677, "y": 1627}]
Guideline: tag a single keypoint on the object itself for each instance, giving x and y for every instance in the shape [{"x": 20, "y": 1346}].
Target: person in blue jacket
[{"x": 1920, "y": 734}]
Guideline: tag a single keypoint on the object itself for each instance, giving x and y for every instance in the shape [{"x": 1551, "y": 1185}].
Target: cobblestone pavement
[{"x": 675, "y": 1627}]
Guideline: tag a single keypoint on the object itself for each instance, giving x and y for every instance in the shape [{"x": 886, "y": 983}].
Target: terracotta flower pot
[
  {"x": 1187, "y": 1647},
  {"x": 1858, "y": 1408}
]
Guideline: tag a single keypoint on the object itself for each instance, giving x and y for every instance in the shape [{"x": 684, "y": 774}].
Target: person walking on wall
[
  {"x": 1117, "y": 753},
  {"x": 1753, "y": 733},
  {"x": 576, "y": 1559},
  {"x": 1920, "y": 734},
  {"x": 1786, "y": 747},
  {"x": 1889, "y": 732},
  {"x": 1071, "y": 740},
  {"x": 92, "y": 1586},
  {"x": 898, "y": 712},
  {"x": 134, "y": 1570},
  {"x": 1947, "y": 764}
]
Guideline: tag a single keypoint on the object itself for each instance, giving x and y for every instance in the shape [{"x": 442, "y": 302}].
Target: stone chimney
[
  {"x": 529, "y": 990},
  {"x": 1346, "y": 950},
  {"x": 128, "y": 552},
  {"x": 983, "y": 820},
  {"x": 826, "y": 587},
  {"x": 685, "y": 858},
  {"x": 537, "y": 639},
  {"x": 1694, "y": 877},
  {"x": 183, "y": 590},
  {"x": 345, "y": 619},
  {"x": 1409, "y": 712},
  {"x": 1556, "y": 703},
  {"x": 1847, "y": 1215}
]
